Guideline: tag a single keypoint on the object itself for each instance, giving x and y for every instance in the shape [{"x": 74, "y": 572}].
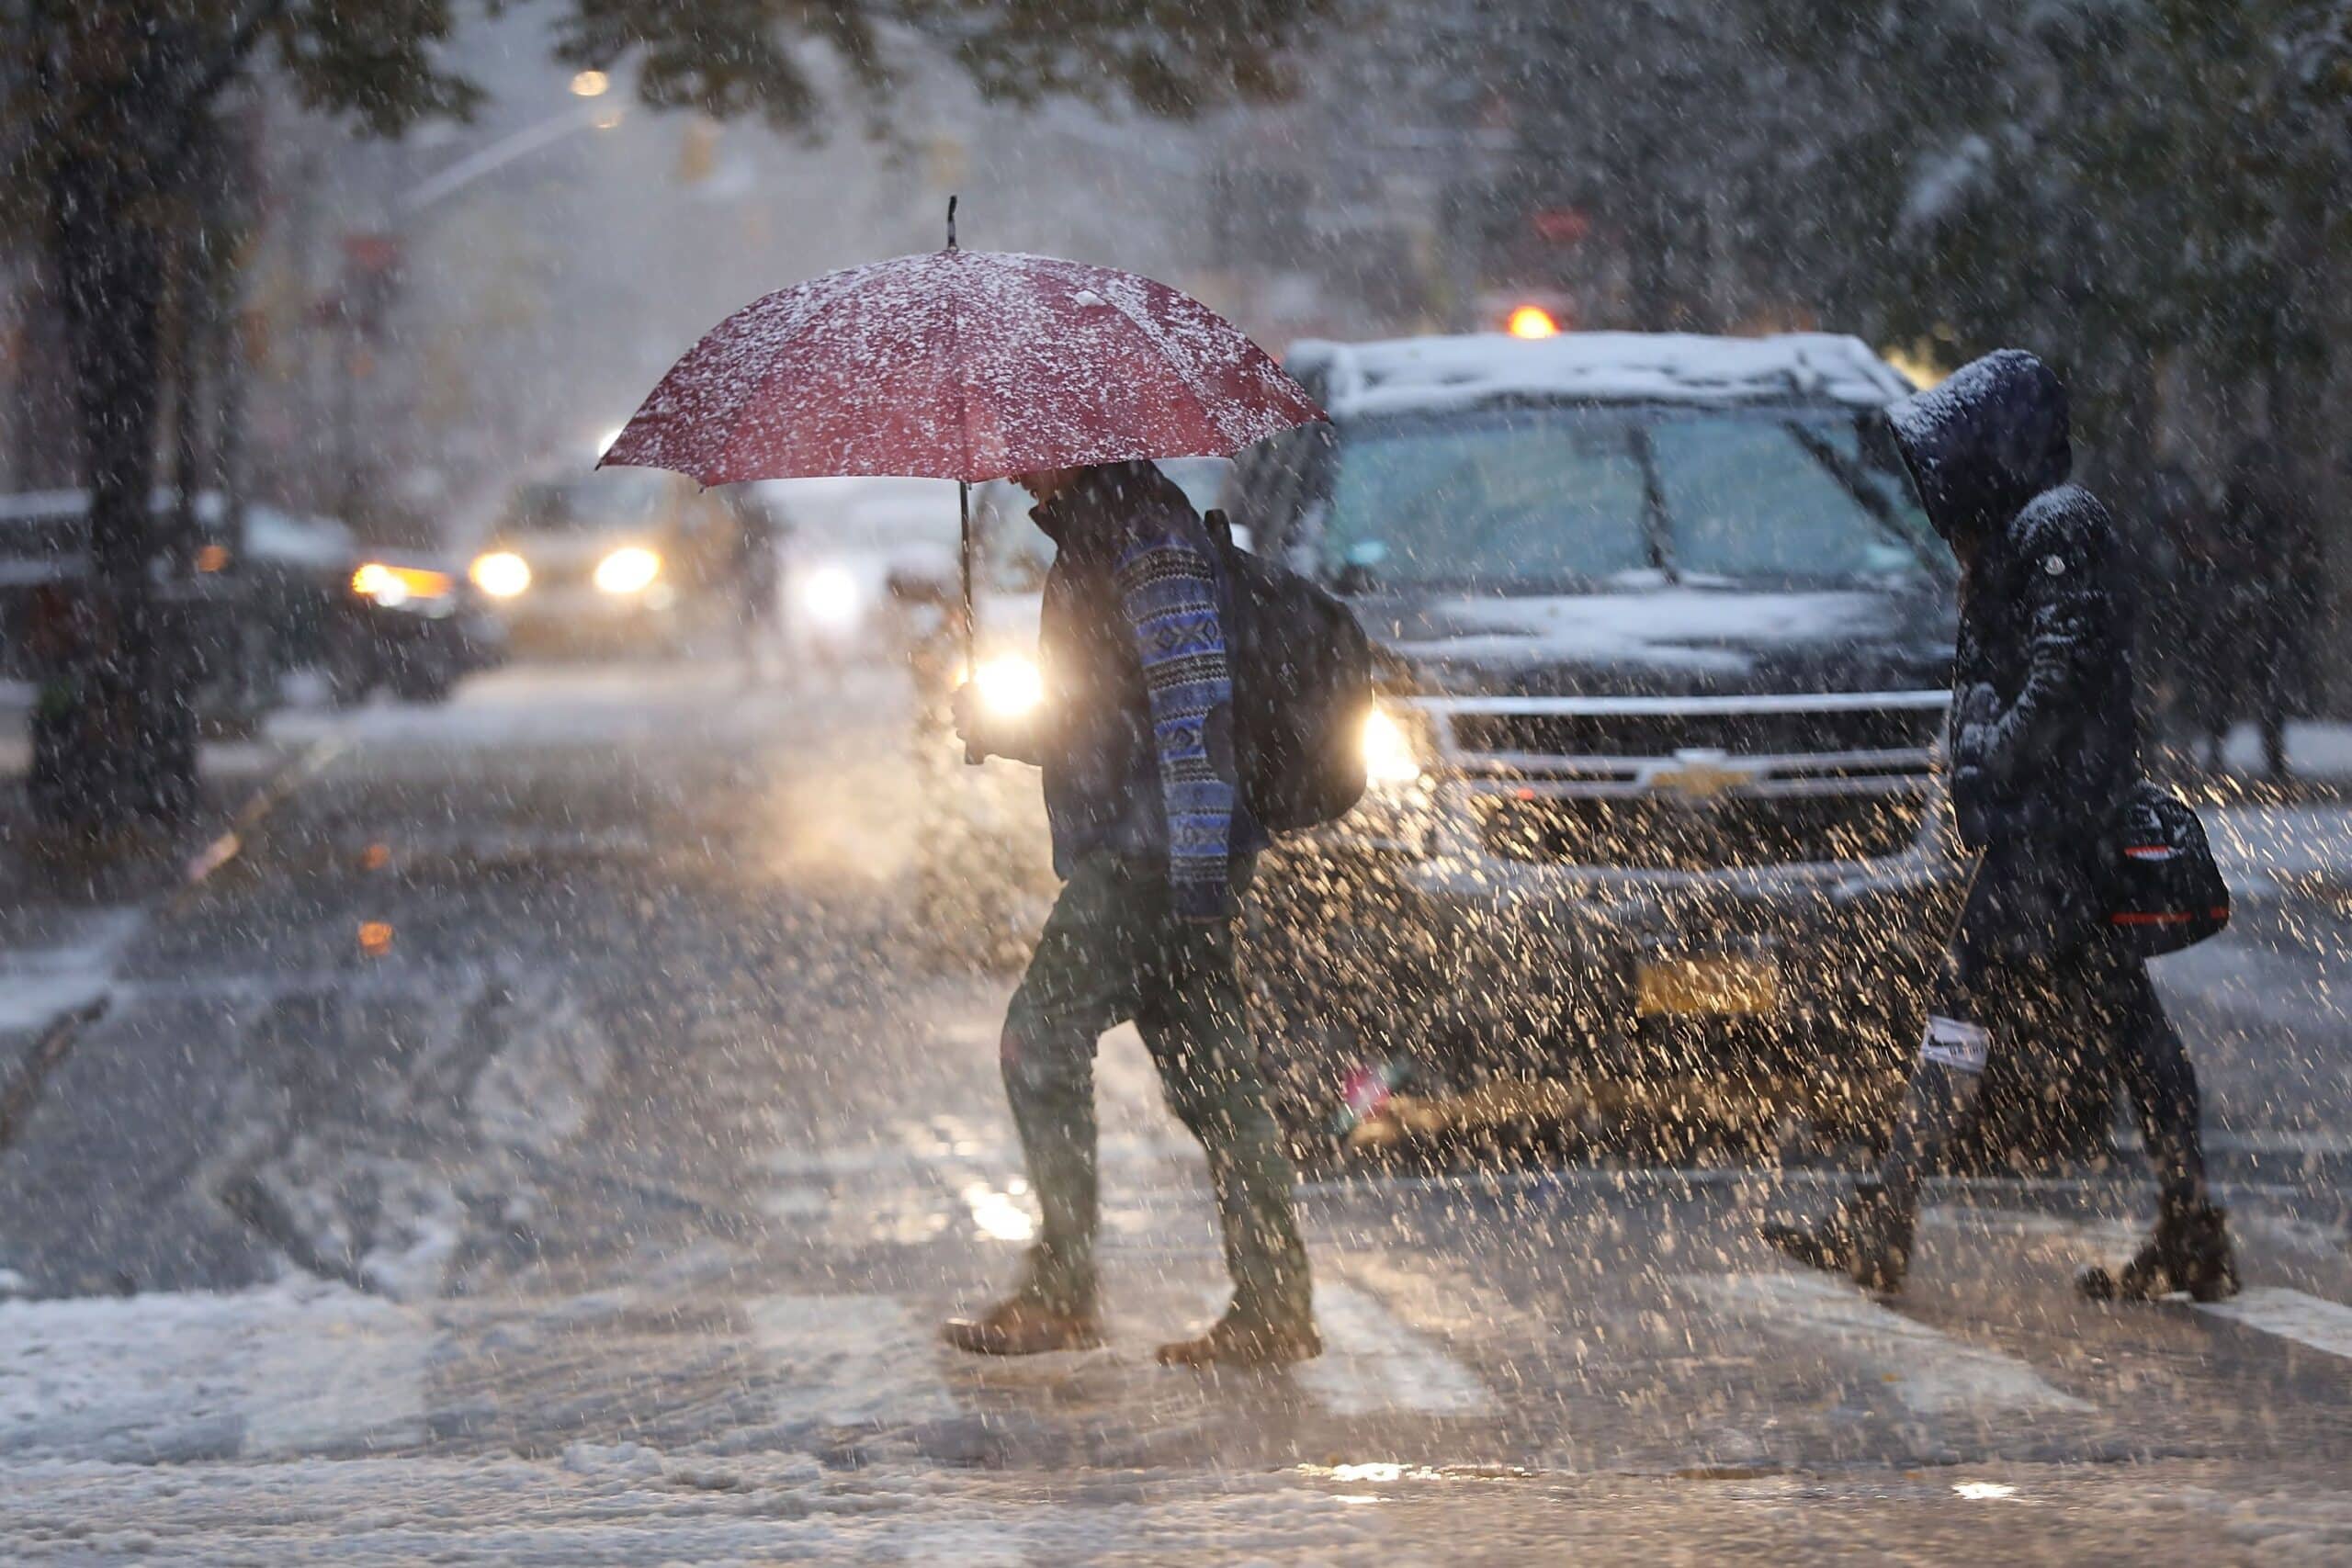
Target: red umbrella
[{"x": 960, "y": 364}]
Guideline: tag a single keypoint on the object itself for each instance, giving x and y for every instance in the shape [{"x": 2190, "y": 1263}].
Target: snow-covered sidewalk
[
  {"x": 628, "y": 1504},
  {"x": 2319, "y": 750}
]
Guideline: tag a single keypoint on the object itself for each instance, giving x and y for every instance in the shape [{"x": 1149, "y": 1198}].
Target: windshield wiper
[
  {"x": 1854, "y": 480},
  {"x": 1655, "y": 537}
]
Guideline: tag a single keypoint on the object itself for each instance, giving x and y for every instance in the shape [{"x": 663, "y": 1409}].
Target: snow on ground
[
  {"x": 42, "y": 980},
  {"x": 385, "y": 1199},
  {"x": 2262, "y": 848},
  {"x": 627, "y": 1504},
  {"x": 621, "y": 703},
  {"x": 2319, "y": 749},
  {"x": 300, "y": 1368},
  {"x": 2248, "y": 980}
]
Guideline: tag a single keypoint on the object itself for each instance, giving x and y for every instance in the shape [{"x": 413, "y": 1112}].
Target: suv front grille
[
  {"x": 1663, "y": 835},
  {"x": 1665, "y": 734},
  {"x": 565, "y": 574}
]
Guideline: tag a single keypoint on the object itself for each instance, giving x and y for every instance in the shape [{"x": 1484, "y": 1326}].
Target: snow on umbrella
[{"x": 960, "y": 364}]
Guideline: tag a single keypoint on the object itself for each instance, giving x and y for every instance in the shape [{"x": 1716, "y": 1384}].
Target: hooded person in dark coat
[{"x": 2044, "y": 745}]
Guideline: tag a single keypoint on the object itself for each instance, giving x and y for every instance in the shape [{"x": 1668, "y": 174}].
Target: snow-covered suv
[{"x": 1665, "y": 644}]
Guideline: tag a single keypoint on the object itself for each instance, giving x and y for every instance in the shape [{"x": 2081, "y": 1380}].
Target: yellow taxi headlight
[
  {"x": 395, "y": 585},
  {"x": 502, "y": 574},
  {"x": 629, "y": 569}
]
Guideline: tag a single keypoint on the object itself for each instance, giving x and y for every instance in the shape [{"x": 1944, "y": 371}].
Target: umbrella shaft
[
  {"x": 971, "y": 629},
  {"x": 971, "y": 619}
]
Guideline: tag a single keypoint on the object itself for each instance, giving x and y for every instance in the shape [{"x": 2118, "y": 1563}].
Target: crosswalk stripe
[
  {"x": 39, "y": 983},
  {"x": 1928, "y": 1370},
  {"x": 849, "y": 1360},
  {"x": 2307, "y": 1320},
  {"x": 192, "y": 1375},
  {"x": 340, "y": 1374},
  {"x": 1372, "y": 1362}
]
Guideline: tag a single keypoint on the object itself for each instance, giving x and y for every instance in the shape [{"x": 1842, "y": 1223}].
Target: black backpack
[
  {"x": 2163, "y": 890},
  {"x": 1302, "y": 690}
]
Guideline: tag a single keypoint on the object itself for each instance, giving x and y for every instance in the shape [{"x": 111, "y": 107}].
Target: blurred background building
[{"x": 387, "y": 331}]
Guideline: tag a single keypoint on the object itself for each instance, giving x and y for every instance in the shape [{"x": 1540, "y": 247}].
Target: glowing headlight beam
[
  {"x": 392, "y": 586},
  {"x": 1010, "y": 685},
  {"x": 502, "y": 574},
  {"x": 629, "y": 569},
  {"x": 1531, "y": 321},
  {"x": 832, "y": 597},
  {"x": 1389, "y": 756}
]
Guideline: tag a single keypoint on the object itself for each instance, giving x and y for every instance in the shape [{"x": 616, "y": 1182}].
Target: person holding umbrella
[
  {"x": 972, "y": 366},
  {"x": 1153, "y": 840}
]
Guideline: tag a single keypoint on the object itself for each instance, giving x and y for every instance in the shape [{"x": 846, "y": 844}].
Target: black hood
[
  {"x": 1986, "y": 442},
  {"x": 1101, "y": 490}
]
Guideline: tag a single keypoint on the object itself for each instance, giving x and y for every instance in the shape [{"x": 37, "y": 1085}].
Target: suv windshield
[
  {"x": 586, "y": 505},
  {"x": 1556, "y": 498}
]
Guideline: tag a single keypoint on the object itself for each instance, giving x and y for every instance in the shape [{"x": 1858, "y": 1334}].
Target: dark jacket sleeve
[
  {"x": 2064, "y": 611},
  {"x": 1168, "y": 593}
]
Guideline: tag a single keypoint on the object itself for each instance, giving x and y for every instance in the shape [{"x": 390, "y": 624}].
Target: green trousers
[{"x": 1113, "y": 953}]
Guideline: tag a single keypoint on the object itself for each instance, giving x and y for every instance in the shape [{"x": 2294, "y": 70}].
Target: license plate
[{"x": 1730, "y": 984}]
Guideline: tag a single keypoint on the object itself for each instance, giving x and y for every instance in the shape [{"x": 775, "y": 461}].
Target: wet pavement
[{"x": 554, "y": 1133}]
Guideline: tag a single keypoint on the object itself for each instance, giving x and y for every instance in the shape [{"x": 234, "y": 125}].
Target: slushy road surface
[{"x": 554, "y": 1136}]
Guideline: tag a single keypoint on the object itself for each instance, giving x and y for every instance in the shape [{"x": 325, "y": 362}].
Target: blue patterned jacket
[{"x": 1138, "y": 754}]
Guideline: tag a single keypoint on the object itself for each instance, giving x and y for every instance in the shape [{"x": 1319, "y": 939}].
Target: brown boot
[
  {"x": 1020, "y": 1326},
  {"x": 2190, "y": 1251},
  {"x": 1866, "y": 1238},
  {"x": 1236, "y": 1341}
]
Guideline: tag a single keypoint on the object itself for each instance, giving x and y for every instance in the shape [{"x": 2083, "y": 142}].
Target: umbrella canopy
[{"x": 960, "y": 364}]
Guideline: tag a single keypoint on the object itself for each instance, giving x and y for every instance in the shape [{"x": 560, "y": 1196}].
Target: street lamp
[{"x": 590, "y": 84}]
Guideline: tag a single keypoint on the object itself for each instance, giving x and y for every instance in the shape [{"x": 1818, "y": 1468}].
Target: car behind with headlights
[
  {"x": 409, "y": 623},
  {"x": 624, "y": 561},
  {"x": 251, "y": 592},
  {"x": 845, "y": 542},
  {"x": 1665, "y": 644}
]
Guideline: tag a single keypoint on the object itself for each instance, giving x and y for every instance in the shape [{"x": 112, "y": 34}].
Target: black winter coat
[
  {"x": 2044, "y": 738},
  {"x": 1103, "y": 782}
]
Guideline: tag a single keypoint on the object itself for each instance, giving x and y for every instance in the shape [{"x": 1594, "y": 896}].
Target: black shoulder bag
[{"x": 2163, "y": 890}]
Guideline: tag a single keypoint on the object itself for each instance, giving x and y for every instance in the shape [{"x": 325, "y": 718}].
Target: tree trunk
[{"x": 122, "y": 747}]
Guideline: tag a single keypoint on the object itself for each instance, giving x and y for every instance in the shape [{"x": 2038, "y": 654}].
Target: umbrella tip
[{"x": 951, "y": 222}]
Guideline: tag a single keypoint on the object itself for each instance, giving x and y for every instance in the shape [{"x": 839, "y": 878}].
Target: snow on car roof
[
  {"x": 270, "y": 533},
  {"x": 1402, "y": 375}
]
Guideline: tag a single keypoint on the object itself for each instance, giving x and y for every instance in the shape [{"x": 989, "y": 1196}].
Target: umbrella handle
[{"x": 971, "y": 621}]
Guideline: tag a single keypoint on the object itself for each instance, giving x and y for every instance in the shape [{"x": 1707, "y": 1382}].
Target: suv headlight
[
  {"x": 502, "y": 574},
  {"x": 1010, "y": 685},
  {"x": 833, "y": 597},
  {"x": 1392, "y": 758},
  {"x": 629, "y": 569}
]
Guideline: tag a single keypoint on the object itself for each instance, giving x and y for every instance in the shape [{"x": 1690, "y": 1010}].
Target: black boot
[
  {"x": 1868, "y": 1236},
  {"x": 1867, "y": 1239},
  {"x": 2190, "y": 1251}
]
